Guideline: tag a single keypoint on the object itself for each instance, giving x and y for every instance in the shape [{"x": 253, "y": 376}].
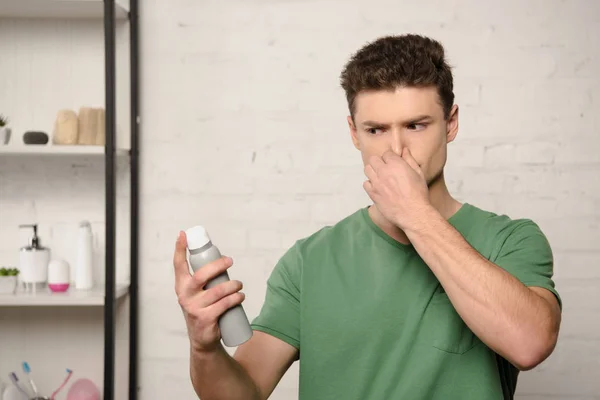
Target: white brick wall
[{"x": 244, "y": 130}]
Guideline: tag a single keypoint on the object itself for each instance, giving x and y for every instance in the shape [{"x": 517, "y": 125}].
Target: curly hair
[{"x": 398, "y": 61}]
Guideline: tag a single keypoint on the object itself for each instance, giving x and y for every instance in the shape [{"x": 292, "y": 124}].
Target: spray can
[{"x": 233, "y": 324}]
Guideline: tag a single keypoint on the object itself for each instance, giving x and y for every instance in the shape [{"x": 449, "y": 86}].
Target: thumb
[{"x": 180, "y": 258}]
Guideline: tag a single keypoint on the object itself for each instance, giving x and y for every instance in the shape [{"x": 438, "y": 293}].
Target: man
[{"x": 414, "y": 297}]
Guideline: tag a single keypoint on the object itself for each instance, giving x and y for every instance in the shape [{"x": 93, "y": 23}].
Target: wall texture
[{"x": 244, "y": 131}]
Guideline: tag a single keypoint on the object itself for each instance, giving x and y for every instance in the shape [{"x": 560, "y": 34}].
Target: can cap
[{"x": 197, "y": 237}]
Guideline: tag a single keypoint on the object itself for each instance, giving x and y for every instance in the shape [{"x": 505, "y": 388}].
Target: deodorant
[{"x": 233, "y": 324}]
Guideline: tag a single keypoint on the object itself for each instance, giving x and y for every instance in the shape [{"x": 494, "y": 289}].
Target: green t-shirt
[{"x": 371, "y": 321}]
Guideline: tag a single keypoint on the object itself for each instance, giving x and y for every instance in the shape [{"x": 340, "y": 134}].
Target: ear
[
  {"x": 353, "y": 132},
  {"x": 452, "y": 124}
]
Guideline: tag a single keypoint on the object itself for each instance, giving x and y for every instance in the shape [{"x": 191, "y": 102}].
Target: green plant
[
  {"x": 3, "y": 120},
  {"x": 9, "y": 271}
]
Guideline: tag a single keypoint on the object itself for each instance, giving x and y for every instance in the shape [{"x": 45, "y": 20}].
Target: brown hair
[{"x": 393, "y": 61}]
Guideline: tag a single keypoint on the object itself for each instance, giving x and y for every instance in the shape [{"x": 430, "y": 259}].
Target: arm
[
  {"x": 261, "y": 361},
  {"x": 266, "y": 359},
  {"x": 215, "y": 375},
  {"x": 252, "y": 374},
  {"x": 519, "y": 323}
]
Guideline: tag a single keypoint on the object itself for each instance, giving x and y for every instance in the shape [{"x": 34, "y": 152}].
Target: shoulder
[
  {"x": 502, "y": 224},
  {"x": 291, "y": 264},
  {"x": 507, "y": 232},
  {"x": 327, "y": 237}
]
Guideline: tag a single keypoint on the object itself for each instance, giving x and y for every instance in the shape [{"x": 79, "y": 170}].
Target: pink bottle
[{"x": 58, "y": 276}]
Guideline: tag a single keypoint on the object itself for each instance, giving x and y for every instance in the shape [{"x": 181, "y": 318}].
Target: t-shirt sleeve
[
  {"x": 280, "y": 313},
  {"x": 527, "y": 255}
]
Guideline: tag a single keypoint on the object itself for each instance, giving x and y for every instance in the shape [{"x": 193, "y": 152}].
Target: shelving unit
[
  {"x": 109, "y": 12},
  {"x": 60, "y": 9},
  {"x": 63, "y": 150},
  {"x": 72, "y": 297}
]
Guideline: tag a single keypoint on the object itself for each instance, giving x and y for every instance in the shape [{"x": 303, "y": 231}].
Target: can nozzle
[{"x": 197, "y": 237}]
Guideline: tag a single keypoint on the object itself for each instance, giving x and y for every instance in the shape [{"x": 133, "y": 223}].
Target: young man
[{"x": 414, "y": 297}]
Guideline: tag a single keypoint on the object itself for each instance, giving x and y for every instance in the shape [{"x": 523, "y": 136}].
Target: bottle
[
  {"x": 233, "y": 324},
  {"x": 58, "y": 276},
  {"x": 84, "y": 267},
  {"x": 33, "y": 262}
]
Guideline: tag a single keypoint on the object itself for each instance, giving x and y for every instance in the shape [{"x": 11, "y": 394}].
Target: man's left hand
[{"x": 397, "y": 186}]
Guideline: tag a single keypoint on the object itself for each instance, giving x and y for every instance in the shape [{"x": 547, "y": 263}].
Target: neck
[{"x": 440, "y": 199}]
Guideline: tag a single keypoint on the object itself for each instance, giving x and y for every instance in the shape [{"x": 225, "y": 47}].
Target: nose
[{"x": 397, "y": 142}]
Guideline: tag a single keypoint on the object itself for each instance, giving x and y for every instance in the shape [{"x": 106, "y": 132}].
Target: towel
[
  {"x": 100, "y": 130},
  {"x": 88, "y": 126},
  {"x": 66, "y": 129}
]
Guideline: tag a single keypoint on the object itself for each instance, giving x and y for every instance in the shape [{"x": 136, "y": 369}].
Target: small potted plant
[
  {"x": 4, "y": 130},
  {"x": 8, "y": 280}
]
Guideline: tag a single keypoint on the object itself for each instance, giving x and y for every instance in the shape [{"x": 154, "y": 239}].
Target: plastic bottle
[
  {"x": 33, "y": 262},
  {"x": 84, "y": 279},
  {"x": 233, "y": 324},
  {"x": 58, "y": 275}
]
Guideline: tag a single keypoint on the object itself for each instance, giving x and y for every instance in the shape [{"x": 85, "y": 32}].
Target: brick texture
[
  {"x": 244, "y": 131},
  {"x": 256, "y": 140}
]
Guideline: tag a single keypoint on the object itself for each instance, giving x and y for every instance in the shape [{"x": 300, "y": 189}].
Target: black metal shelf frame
[{"x": 110, "y": 201}]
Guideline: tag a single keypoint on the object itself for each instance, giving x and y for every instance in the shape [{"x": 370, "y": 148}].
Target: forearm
[
  {"x": 507, "y": 316},
  {"x": 217, "y": 376}
]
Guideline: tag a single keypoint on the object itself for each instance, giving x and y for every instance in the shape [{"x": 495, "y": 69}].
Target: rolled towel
[
  {"x": 66, "y": 128},
  {"x": 88, "y": 126},
  {"x": 100, "y": 130}
]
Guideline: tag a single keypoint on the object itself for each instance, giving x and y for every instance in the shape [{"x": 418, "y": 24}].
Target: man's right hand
[{"x": 202, "y": 308}]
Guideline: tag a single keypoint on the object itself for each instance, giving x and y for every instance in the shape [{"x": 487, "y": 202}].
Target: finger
[
  {"x": 376, "y": 163},
  {"x": 180, "y": 258},
  {"x": 218, "y": 292},
  {"x": 370, "y": 173},
  {"x": 407, "y": 156},
  {"x": 214, "y": 311},
  {"x": 389, "y": 156},
  {"x": 210, "y": 271},
  {"x": 368, "y": 186}
]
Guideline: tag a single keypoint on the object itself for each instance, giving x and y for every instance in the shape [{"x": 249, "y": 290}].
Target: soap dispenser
[{"x": 33, "y": 262}]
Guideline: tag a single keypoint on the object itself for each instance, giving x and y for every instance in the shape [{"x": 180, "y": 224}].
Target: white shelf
[
  {"x": 59, "y": 150},
  {"x": 72, "y": 297},
  {"x": 69, "y": 9}
]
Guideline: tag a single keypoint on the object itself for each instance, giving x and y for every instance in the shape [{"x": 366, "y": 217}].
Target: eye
[
  {"x": 416, "y": 127},
  {"x": 374, "y": 131}
]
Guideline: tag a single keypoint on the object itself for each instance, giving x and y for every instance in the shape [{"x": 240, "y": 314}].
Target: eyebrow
[{"x": 417, "y": 119}]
